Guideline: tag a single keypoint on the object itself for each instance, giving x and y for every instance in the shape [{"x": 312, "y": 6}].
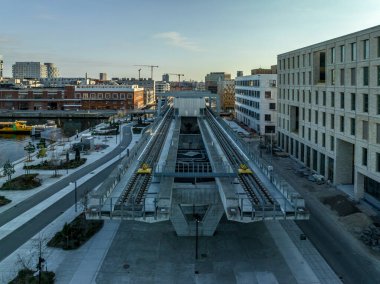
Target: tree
[
  {"x": 30, "y": 148},
  {"x": 41, "y": 153},
  {"x": 9, "y": 169}
]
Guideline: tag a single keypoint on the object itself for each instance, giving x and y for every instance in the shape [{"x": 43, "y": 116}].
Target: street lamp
[
  {"x": 75, "y": 194},
  {"x": 197, "y": 220}
]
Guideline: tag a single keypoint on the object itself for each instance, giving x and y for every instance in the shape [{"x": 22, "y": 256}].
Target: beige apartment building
[{"x": 329, "y": 109}]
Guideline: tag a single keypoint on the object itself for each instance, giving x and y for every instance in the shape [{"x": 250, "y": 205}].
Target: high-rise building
[
  {"x": 33, "y": 70},
  {"x": 165, "y": 78},
  {"x": 255, "y": 102},
  {"x": 51, "y": 70},
  {"x": 329, "y": 109},
  {"x": 1, "y": 66},
  {"x": 211, "y": 80}
]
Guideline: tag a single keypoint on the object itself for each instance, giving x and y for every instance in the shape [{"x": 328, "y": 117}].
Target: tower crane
[
  {"x": 139, "y": 73},
  {"x": 151, "y": 69},
  {"x": 179, "y": 76}
]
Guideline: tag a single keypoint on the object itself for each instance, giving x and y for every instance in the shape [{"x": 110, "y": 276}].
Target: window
[
  {"x": 353, "y": 76},
  {"x": 332, "y": 144},
  {"x": 303, "y": 96},
  {"x": 303, "y": 114},
  {"x": 342, "y": 53},
  {"x": 267, "y": 117},
  {"x": 323, "y": 140},
  {"x": 365, "y": 102},
  {"x": 309, "y": 134},
  {"x": 316, "y": 136},
  {"x": 309, "y": 77},
  {"x": 268, "y": 94},
  {"x": 342, "y": 100},
  {"x": 364, "y": 156},
  {"x": 309, "y": 115},
  {"x": 352, "y": 122},
  {"x": 365, "y": 49},
  {"x": 353, "y": 51},
  {"x": 316, "y": 97},
  {"x": 378, "y": 75},
  {"x": 341, "y": 77},
  {"x": 324, "y": 98},
  {"x": 365, "y": 76},
  {"x": 303, "y": 60},
  {"x": 309, "y": 97},
  {"x": 378, "y": 46},
  {"x": 341, "y": 123},
  {"x": 353, "y": 101},
  {"x": 316, "y": 117},
  {"x": 332, "y": 122},
  {"x": 365, "y": 130},
  {"x": 378, "y": 104},
  {"x": 333, "y": 55},
  {"x": 378, "y": 133},
  {"x": 332, "y": 99},
  {"x": 378, "y": 162},
  {"x": 332, "y": 75},
  {"x": 323, "y": 119},
  {"x": 309, "y": 58},
  {"x": 272, "y": 106}
]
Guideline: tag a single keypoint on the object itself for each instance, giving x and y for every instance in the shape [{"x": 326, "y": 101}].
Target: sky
[{"x": 187, "y": 37}]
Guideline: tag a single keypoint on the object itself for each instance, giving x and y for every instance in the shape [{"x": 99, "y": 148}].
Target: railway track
[
  {"x": 133, "y": 195},
  {"x": 252, "y": 185}
]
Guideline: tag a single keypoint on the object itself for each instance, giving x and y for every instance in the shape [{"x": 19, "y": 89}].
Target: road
[
  {"x": 341, "y": 251},
  {"x": 29, "y": 229}
]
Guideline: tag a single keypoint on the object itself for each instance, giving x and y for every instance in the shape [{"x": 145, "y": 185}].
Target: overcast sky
[{"x": 189, "y": 37}]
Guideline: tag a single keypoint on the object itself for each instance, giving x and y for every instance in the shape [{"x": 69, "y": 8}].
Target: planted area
[
  {"x": 46, "y": 165},
  {"x": 76, "y": 233},
  {"x": 23, "y": 182},
  {"x": 26, "y": 276},
  {"x": 3, "y": 200}
]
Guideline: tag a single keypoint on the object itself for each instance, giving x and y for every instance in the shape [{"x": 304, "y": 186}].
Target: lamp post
[
  {"x": 75, "y": 194},
  {"x": 197, "y": 220}
]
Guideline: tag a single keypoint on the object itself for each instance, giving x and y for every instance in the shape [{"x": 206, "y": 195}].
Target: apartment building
[
  {"x": 255, "y": 102},
  {"x": 31, "y": 70},
  {"x": 329, "y": 109},
  {"x": 211, "y": 80}
]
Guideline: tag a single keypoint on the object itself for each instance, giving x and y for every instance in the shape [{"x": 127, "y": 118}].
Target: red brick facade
[{"x": 71, "y": 98}]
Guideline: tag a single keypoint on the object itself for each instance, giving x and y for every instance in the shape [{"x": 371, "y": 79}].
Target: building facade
[
  {"x": 226, "y": 93},
  {"x": 51, "y": 70},
  {"x": 32, "y": 70},
  {"x": 211, "y": 80},
  {"x": 329, "y": 109},
  {"x": 255, "y": 102},
  {"x": 147, "y": 84},
  {"x": 162, "y": 87},
  {"x": 84, "y": 97}
]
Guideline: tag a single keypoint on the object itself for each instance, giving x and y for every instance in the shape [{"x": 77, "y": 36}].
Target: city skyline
[{"x": 206, "y": 36}]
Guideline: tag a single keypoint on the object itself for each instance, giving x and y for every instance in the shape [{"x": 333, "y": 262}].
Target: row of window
[
  {"x": 300, "y": 60},
  {"x": 299, "y": 78},
  {"x": 248, "y": 93},
  {"x": 248, "y": 83},
  {"x": 320, "y": 98},
  {"x": 100, "y": 96},
  {"x": 246, "y": 102}
]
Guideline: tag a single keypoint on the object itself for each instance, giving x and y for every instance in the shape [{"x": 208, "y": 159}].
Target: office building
[
  {"x": 103, "y": 76},
  {"x": 329, "y": 109},
  {"x": 30, "y": 70},
  {"x": 51, "y": 70},
  {"x": 165, "y": 78},
  {"x": 255, "y": 103},
  {"x": 211, "y": 80}
]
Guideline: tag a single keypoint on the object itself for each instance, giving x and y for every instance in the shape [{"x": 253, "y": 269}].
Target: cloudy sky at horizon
[{"x": 189, "y": 37}]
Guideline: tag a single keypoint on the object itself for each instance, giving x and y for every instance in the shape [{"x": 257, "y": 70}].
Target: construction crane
[
  {"x": 151, "y": 69},
  {"x": 139, "y": 73},
  {"x": 179, "y": 76}
]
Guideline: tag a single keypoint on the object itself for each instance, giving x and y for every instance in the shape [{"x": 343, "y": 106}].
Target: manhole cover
[{"x": 126, "y": 266}]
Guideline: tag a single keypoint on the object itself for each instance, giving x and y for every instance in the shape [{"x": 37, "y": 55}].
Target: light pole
[{"x": 75, "y": 194}]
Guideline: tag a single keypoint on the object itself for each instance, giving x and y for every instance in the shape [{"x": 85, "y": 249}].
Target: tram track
[
  {"x": 135, "y": 191},
  {"x": 257, "y": 193}
]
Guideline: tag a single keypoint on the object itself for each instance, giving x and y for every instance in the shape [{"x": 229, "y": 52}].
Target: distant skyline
[{"x": 189, "y": 37}]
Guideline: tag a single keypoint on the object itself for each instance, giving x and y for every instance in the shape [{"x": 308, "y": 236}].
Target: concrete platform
[{"x": 153, "y": 253}]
